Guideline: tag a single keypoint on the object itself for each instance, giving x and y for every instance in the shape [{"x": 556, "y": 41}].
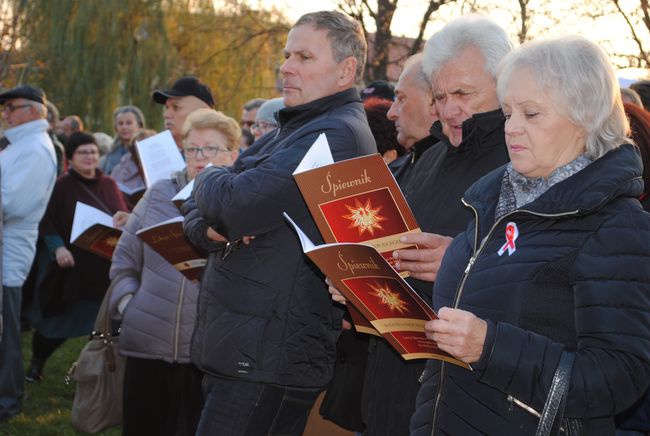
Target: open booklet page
[
  {"x": 379, "y": 293},
  {"x": 355, "y": 200},
  {"x": 185, "y": 193},
  {"x": 168, "y": 240},
  {"x": 133, "y": 195},
  {"x": 159, "y": 157},
  {"x": 92, "y": 230}
]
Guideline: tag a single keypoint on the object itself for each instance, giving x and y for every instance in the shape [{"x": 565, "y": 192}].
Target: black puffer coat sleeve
[
  {"x": 196, "y": 229},
  {"x": 611, "y": 284},
  {"x": 233, "y": 203}
]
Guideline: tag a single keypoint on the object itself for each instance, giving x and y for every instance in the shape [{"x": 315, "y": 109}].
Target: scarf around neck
[{"x": 518, "y": 190}]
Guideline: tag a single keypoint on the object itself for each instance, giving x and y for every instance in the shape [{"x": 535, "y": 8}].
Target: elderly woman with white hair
[{"x": 547, "y": 293}]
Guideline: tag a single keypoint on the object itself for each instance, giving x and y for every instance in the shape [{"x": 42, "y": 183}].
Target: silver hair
[
  {"x": 420, "y": 79},
  {"x": 344, "y": 33},
  {"x": 468, "y": 31},
  {"x": 40, "y": 108},
  {"x": 579, "y": 78},
  {"x": 631, "y": 96}
]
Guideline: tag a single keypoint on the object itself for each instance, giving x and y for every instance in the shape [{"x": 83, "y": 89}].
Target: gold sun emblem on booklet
[
  {"x": 111, "y": 241},
  {"x": 364, "y": 218},
  {"x": 389, "y": 298}
]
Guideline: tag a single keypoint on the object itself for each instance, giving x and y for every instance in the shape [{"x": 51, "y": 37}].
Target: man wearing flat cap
[
  {"x": 185, "y": 96},
  {"x": 28, "y": 168}
]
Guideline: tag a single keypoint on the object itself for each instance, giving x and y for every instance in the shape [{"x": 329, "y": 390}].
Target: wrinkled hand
[
  {"x": 64, "y": 258},
  {"x": 335, "y": 293},
  {"x": 120, "y": 218},
  {"x": 422, "y": 264},
  {"x": 459, "y": 333}
]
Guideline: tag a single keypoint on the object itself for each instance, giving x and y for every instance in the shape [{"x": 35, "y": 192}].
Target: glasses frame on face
[
  {"x": 260, "y": 125},
  {"x": 192, "y": 151},
  {"x": 86, "y": 152},
  {"x": 9, "y": 108}
]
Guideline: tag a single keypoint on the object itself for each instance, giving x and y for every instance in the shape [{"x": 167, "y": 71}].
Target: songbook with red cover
[
  {"x": 168, "y": 240},
  {"x": 380, "y": 294},
  {"x": 93, "y": 231},
  {"x": 358, "y": 200}
]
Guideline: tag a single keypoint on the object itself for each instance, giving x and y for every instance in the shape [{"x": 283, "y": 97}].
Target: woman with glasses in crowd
[
  {"x": 157, "y": 304},
  {"x": 71, "y": 290}
]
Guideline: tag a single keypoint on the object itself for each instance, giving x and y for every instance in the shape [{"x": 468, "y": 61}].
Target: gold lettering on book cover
[
  {"x": 334, "y": 187},
  {"x": 352, "y": 266},
  {"x": 111, "y": 241},
  {"x": 389, "y": 298},
  {"x": 364, "y": 217}
]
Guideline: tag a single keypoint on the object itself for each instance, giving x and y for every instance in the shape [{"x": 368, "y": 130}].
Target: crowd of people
[{"x": 526, "y": 169}]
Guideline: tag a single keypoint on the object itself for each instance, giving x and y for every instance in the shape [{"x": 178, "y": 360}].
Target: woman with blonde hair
[{"x": 156, "y": 303}]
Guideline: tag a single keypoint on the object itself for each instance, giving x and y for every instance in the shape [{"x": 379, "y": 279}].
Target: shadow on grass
[{"x": 46, "y": 406}]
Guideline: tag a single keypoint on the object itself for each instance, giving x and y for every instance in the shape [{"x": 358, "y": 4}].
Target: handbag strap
[
  {"x": 554, "y": 407},
  {"x": 94, "y": 197},
  {"x": 103, "y": 320}
]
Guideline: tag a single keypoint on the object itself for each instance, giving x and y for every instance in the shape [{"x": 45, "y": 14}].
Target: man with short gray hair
[
  {"x": 266, "y": 331},
  {"x": 461, "y": 59},
  {"x": 28, "y": 167}
]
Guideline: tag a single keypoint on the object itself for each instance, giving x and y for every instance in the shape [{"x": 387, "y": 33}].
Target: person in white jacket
[{"x": 28, "y": 167}]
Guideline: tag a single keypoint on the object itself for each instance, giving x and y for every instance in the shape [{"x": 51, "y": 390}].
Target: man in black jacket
[
  {"x": 469, "y": 143},
  {"x": 387, "y": 374},
  {"x": 266, "y": 329}
]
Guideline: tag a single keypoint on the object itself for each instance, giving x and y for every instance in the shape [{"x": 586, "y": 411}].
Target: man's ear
[{"x": 347, "y": 71}]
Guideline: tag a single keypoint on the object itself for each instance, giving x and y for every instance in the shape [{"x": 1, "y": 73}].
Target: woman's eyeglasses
[{"x": 207, "y": 151}]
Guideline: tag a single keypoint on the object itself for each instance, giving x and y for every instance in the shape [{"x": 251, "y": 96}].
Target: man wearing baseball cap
[
  {"x": 28, "y": 167},
  {"x": 185, "y": 96}
]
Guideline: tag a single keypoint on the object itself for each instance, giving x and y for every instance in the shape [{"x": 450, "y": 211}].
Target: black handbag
[{"x": 552, "y": 421}]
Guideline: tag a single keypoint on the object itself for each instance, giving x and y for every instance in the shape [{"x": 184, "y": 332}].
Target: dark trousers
[
  {"x": 388, "y": 376},
  {"x": 42, "y": 347},
  {"x": 11, "y": 356},
  {"x": 238, "y": 408},
  {"x": 161, "y": 398}
]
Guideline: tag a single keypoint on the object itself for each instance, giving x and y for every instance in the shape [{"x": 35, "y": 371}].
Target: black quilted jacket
[
  {"x": 264, "y": 313},
  {"x": 579, "y": 279}
]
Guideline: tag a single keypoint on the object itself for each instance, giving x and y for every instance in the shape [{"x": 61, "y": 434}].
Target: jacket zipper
[
  {"x": 468, "y": 268},
  {"x": 178, "y": 318}
]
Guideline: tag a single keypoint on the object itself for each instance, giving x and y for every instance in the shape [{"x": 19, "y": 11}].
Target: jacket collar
[
  {"x": 483, "y": 130},
  {"x": 422, "y": 145},
  {"x": 616, "y": 174},
  {"x": 299, "y": 114},
  {"x": 15, "y": 134},
  {"x": 75, "y": 175}
]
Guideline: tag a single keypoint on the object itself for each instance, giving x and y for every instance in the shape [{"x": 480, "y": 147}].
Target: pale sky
[{"x": 610, "y": 32}]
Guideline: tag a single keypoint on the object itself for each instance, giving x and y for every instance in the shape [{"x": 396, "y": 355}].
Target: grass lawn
[{"x": 46, "y": 406}]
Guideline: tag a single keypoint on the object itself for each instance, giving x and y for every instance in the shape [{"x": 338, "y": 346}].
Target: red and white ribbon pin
[{"x": 512, "y": 232}]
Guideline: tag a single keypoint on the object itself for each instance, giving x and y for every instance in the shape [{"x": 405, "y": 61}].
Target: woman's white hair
[
  {"x": 578, "y": 77},
  {"x": 468, "y": 31}
]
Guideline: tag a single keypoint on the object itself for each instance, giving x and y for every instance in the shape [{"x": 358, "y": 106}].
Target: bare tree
[
  {"x": 638, "y": 21},
  {"x": 382, "y": 42}
]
